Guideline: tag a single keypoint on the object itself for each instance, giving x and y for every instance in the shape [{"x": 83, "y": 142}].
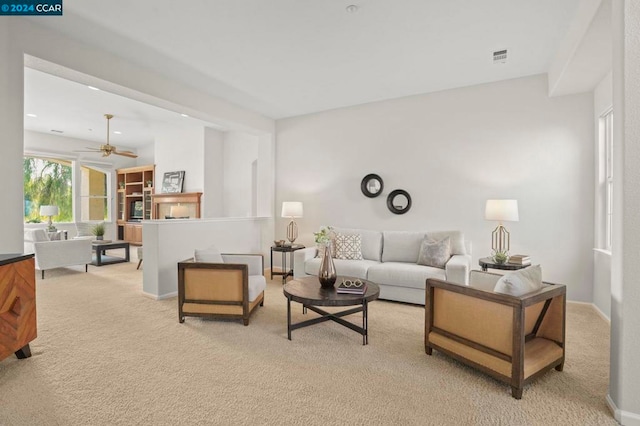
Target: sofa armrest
[
  {"x": 457, "y": 269},
  {"x": 299, "y": 259},
  {"x": 255, "y": 262}
]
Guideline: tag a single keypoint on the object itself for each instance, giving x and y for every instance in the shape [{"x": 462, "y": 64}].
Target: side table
[
  {"x": 285, "y": 272},
  {"x": 488, "y": 262}
]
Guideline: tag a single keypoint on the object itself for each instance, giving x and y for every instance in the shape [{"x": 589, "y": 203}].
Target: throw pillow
[
  {"x": 84, "y": 229},
  {"x": 435, "y": 253},
  {"x": 211, "y": 255},
  {"x": 520, "y": 282},
  {"x": 348, "y": 246}
]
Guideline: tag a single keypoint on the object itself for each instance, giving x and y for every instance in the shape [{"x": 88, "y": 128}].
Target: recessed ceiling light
[
  {"x": 184, "y": 115},
  {"x": 93, "y": 88},
  {"x": 57, "y": 131},
  {"x": 352, "y": 8},
  {"x": 118, "y": 132},
  {"x": 31, "y": 115}
]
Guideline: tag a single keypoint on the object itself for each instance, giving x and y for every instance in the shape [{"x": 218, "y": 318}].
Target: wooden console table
[{"x": 17, "y": 304}]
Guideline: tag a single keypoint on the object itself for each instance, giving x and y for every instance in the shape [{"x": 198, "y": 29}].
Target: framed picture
[{"x": 172, "y": 182}]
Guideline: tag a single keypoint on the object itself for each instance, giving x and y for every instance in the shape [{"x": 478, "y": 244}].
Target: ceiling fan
[{"x": 108, "y": 149}]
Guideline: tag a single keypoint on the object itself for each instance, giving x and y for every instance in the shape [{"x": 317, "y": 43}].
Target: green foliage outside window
[{"x": 47, "y": 182}]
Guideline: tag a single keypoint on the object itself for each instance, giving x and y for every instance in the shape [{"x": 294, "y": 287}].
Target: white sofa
[
  {"x": 56, "y": 254},
  {"x": 390, "y": 260}
]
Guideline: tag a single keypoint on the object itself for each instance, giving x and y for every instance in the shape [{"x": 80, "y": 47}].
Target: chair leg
[
  {"x": 516, "y": 392},
  {"x": 139, "y": 263},
  {"x": 42, "y": 274},
  {"x": 428, "y": 349},
  {"x": 245, "y": 321},
  {"x": 560, "y": 366}
]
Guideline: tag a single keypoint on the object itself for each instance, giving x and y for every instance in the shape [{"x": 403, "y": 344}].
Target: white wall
[
  {"x": 146, "y": 155},
  {"x": 213, "y": 199},
  {"x": 452, "y": 151},
  {"x": 624, "y": 385},
  {"x": 240, "y": 151},
  {"x": 181, "y": 149}
]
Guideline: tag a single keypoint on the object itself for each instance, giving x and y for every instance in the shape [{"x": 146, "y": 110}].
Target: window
[
  {"x": 47, "y": 182},
  {"x": 50, "y": 181},
  {"x": 606, "y": 134},
  {"x": 93, "y": 195}
]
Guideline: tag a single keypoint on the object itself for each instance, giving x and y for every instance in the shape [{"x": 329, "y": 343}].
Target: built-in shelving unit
[{"x": 135, "y": 188}]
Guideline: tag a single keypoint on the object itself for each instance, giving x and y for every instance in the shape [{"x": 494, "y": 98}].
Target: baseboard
[
  {"x": 595, "y": 308},
  {"x": 161, "y": 297},
  {"x": 625, "y": 418}
]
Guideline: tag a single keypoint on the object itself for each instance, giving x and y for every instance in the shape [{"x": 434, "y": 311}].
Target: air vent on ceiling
[{"x": 500, "y": 56}]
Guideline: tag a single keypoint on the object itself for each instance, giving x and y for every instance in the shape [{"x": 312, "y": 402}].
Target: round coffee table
[{"x": 310, "y": 294}]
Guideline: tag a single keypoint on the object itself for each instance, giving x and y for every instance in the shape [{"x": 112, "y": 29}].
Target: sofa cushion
[
  {"x": 257, "y": 284},
  {"x": 349, "y": 268},
  {"x": 435, "y": 253},
  {"x": 371, "y": 242},
  {"x": 457, "y": 240},
  {"x": 348, "y": 246},
  {"x": 404, "y": 274},
  {"x": 211, "y": 254},
  {"x": 520, "y": 282},
  {"x": 401, "y": 246}
]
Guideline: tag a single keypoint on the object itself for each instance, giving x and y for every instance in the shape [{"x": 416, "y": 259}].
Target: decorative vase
[
  {"x": 327, "y": 272},
  {"x": 99, "y": 237}
]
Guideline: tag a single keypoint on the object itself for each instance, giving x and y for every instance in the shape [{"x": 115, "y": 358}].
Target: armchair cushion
[
  {"x": 520, "y": 282},
  {"x": 84, "y": 229},
  {"x": 257, "y": 284},
  {"x": 211, "y": 254}
]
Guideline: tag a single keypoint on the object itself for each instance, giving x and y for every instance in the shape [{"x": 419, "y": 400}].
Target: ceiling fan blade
[
  {"x": 88, "y": 150},
  {"x": 125, "y": 154}
]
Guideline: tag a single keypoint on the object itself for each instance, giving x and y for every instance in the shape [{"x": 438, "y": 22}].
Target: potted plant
[
  {"x": 149, "y": 183},
  {"x": 98, "y": 231},
  {"x": 121, "y": 184},
  {"x": 500, "y": 256}
]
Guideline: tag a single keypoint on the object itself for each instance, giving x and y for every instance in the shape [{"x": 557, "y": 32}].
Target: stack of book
[
  {"x": 352, "y": 289},
  {"x": 520, "y": 259}
]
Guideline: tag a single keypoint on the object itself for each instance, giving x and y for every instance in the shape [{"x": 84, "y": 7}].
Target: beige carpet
[{"x": 105, "y": 354}]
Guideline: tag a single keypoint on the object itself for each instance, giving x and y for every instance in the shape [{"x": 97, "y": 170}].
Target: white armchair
[{"x": 56, "y": 254}]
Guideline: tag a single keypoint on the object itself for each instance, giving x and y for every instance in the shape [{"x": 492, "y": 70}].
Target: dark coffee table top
[
  {"x": 488, "y": 262},
  {"x": 109, "y": 244},
  {"x": 307, "y": 290}
]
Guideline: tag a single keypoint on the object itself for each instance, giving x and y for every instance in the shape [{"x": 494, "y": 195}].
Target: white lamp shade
[
  {"x": 501, "y": 210},
  {"x": 291, "y": 209},
  {"x": 179, "y": 211},
  {"x": 49, "y": 211}
]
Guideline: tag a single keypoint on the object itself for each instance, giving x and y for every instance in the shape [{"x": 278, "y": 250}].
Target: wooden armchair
[
  {"x": 232, "y": 289},
  {"x": 512, "y": 338}
]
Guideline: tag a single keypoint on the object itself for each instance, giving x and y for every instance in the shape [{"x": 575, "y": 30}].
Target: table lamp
[
  {"x": 49, "y": 211},
  {"x": 502, "y": 211},
  {"x": 292, "y": 209}
]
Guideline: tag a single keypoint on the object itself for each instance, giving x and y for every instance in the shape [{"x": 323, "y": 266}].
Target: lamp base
[
  {"x": 500, "y": 239},
  {"x": 292, "y": 231}
]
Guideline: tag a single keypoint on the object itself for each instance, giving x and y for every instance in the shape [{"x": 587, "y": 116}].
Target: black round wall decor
[
  {"x": 372, "y": 185},
  {"x": 395, "y": 202}
]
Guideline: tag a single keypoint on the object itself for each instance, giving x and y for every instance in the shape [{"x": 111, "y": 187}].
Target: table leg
[
  {"x": 98, "y": 257},
  {"x": 365, "y": 322},
  {"x": 289, "y": 318},
  {"x": 484, "y": 268},
  {"x": 284, "y": 267},
  {"x": 271, "y": 262},
  {"x": 126, "y": 253}
]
